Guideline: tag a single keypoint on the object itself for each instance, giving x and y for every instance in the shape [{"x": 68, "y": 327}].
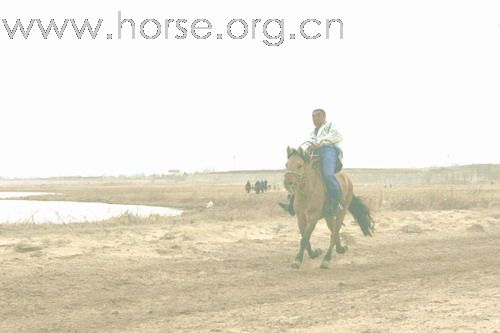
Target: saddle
[{"x": 338, "y": 164}]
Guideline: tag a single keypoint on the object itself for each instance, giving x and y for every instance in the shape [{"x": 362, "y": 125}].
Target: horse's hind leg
[
  {"x": 338, "y": 244},
  {"x": 313, "y": 254},
  {"x": 334, "y": 225},
  {"x": 330, "y": 221}
]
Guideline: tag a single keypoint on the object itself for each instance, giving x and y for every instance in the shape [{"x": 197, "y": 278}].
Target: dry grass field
[{"x": 433, "y": 264}]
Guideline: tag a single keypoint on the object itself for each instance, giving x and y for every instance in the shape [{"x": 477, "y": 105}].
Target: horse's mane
[{"x": 298, "y": 152}]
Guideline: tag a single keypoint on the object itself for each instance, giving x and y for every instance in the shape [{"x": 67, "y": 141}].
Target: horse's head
[{"x": 295, "y": 168}]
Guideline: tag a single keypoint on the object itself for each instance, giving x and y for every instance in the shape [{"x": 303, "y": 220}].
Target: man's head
[{"x": 319, "y": 117}]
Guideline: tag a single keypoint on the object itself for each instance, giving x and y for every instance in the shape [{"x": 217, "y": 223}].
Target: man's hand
[{"x": 315, "y": 146}]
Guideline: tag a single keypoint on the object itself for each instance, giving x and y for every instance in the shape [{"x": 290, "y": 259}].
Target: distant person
[
  {"x": 262, "y": 186},
  {"x": 323, "y": 141},
  {"x": 257, "y": 187},
  {"x": 248, "y": 187}
]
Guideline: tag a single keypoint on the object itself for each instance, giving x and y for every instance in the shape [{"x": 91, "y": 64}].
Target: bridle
[
  {"x": 301, "y": 179},
  {"x": 300, "y": 176}
]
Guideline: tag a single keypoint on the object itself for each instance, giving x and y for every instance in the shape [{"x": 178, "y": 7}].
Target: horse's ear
[
  {"x": 303, "y": 154},
  {"x": 288, "y": 151}
]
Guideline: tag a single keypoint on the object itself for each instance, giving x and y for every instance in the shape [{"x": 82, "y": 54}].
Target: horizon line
[{"x": 182, "y": 173}]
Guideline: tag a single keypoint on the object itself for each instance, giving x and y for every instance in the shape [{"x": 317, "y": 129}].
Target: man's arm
[{"x": 329, "y": 136}]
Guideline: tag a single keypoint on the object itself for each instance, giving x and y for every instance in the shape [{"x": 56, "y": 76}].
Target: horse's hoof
[
  {"x": 296, "y": 264},
  {"x": 341, "y": 249},
  {"x": 325, "y": 265},
  {"x": 316, "y": 253}
]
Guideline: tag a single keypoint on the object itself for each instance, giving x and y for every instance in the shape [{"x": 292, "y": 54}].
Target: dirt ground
[{"x": 423, "y": 271}]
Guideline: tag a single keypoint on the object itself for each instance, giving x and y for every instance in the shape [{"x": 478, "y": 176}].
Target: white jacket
[{"x": 326, "y": 135}]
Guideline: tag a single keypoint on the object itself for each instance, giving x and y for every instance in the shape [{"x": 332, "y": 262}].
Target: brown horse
[{"x": 303, "y": 178}]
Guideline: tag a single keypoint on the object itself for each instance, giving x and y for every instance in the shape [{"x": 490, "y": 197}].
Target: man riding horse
[
  {"x": 323, "y": 142},
  {"x": 319, "y": 190}
]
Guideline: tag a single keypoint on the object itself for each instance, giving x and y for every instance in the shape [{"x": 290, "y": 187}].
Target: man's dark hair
[{"x": 320, "y": 110}]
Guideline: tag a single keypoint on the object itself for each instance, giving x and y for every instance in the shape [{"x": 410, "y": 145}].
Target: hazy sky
[{"x": 412, "y": 84}]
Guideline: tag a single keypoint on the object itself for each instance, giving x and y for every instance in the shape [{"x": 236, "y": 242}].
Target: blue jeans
[{"x": 328, "y": 155}]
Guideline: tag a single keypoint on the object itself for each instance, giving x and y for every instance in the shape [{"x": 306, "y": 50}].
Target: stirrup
[{"x": 287, "y": 207}]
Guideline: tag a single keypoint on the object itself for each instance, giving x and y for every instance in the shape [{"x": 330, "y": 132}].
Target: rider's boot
[
  {"x": 289, "y": 205},
  {"x": 332, "y": 206}
]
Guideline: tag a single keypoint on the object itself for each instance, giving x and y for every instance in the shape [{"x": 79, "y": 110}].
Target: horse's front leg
[
  {"x": 306, "y": 227},
  {"x": 302, "y": 222}
]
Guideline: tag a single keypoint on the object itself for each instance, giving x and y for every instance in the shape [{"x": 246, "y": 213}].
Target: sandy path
[{"x": 236, "y": 277}]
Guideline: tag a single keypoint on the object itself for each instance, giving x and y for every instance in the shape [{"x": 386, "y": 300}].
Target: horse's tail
[{"x": 361, "y": 214}]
